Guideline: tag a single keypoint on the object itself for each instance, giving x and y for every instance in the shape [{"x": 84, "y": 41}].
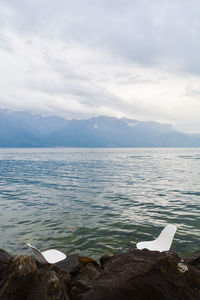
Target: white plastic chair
[
  {"x": 51, "y": 256},
  {"x": 163, "y": 241}
]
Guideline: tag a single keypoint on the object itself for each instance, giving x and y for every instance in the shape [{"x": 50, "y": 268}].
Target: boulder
[
  {"x": 5, "y": 260},
  {"x": 87, "y": 260},
  {"x": 134, "y": 275},
  {"x": 144, "y": 274},
  {"x": 21, "y": 273},
  {"x": 64, "y": 276},
  {"x": 84, "y": 281},
  {"x": 4, "y": 256},
  {"x": 71, "y": 264},
  {"x": 194, "y": 259},
  {"x": 105, "y": 258},
  {"x": 48, "y": 285}
]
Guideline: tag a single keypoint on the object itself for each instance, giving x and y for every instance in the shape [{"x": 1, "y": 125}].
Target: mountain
[
  {"x": 113, "y": 132},
  {"x": 23, "y": 129}
]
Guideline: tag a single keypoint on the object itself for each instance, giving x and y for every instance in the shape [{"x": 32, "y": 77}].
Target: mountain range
[{"x": 23, "y": 129}]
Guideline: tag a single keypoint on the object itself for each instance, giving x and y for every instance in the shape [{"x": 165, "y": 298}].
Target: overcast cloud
[{"x": 83, "y": 58}]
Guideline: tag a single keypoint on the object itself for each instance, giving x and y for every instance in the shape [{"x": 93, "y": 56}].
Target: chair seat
[
  {"x": 53, "y": 256},
  {"x": 163, "y": 241}
]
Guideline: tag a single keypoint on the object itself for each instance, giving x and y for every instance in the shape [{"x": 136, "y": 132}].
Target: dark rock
[
  {"x": 75, "y": 292},
  {"x": 21, "y": 273},
  {"x": 87, "y": 260},
  {"x": 71, "y": 264},
  {"x": 105, "y": 258},
  {"x": 64, "y": 276},
  {"x": 47, "y": 285},
  {"x": 135, "y": 275},
  {"x": 194, "y": 259},
  {"x": 144, "y": 274},
  {"x": 5, "y": 259},
  {"x": 4, "y": 256},
  {"x": 84, "y": 281}
]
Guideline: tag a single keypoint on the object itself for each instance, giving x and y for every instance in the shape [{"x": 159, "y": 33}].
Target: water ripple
[{"x": 98, "y": 200}]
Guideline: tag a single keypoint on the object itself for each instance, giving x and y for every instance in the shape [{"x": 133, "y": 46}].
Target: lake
[{"x": 96, "y": 201}]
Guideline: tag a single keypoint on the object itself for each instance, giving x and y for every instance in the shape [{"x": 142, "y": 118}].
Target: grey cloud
[
  {"x": 145, "y": 32},
  {"x": 191, "y": 92},
  {"x": 89, "y": 95},
  {"x": 5, "y": 44},
  {"x": 65, "y": 70},
  {"x": 129, "y": 78}
]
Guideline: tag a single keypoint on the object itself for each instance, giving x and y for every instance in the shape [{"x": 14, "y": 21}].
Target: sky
[{"x": 138, "y": 59}]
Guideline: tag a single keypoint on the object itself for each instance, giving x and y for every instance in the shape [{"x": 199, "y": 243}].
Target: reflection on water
[{"x": 98, "y": 200}]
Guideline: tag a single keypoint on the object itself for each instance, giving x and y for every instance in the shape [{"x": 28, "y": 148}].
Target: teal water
[{"x": 96, "y": 201}]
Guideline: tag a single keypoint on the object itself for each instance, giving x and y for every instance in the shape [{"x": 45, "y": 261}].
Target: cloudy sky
[{"x": 124, "y": 58}]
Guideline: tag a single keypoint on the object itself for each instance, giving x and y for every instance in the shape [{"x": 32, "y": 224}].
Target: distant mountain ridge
[{"x": 23, "y": 129}]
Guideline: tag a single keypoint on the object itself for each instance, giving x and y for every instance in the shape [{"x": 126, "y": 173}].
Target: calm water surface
[{"x": 96, "y": 201}]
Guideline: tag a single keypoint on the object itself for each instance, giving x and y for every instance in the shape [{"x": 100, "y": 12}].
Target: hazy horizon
[
  {"x": 86, "y": 118},
  {"x": 95, "y": 116}
]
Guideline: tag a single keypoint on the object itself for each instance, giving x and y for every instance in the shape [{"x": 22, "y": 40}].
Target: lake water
[{"x": 96, "y": 201}]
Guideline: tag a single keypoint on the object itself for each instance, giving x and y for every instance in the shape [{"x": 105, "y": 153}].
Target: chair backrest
[
  {"x": 166, "y": 237},
  {"x": 38, "y": 255}
]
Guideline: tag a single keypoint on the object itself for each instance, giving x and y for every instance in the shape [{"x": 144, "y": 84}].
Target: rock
[
  {"x": 144, "y": 274},
  {"x": 64, "y": 276},
  {"x": 84, "y": 281},
  {"x": 47, "y": 285},
  {"x": 75, "y": 292},
  {"x": 21, "y": 273},
  {"x": 71, "y": 264},
  {"x": 87, "y": 260},
  {"x": 194, "y": 259},
  {"x": 4, "y": 256},
  {"x": 105, "y": 258},
  {"x": 135, "y": 275},
  {"x": 5, "y": 259}
]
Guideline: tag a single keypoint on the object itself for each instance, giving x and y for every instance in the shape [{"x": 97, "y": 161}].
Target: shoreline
[{"x": 116, "y": 277}]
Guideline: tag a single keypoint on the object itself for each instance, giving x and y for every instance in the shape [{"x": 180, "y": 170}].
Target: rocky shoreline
[{"x": 134, "y": 275}]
